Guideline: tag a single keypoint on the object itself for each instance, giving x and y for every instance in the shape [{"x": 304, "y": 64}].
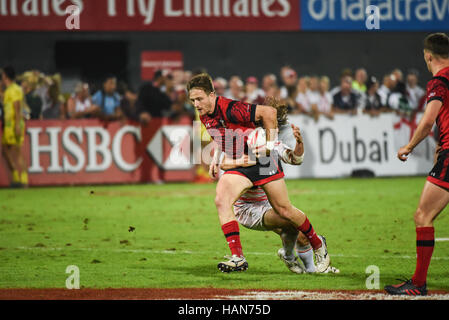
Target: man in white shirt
[{"x": 414, "y": 91}]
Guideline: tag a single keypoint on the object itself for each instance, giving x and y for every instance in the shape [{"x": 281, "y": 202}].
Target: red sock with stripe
[
  {"x": 308, "y": 231},
  {"x": 425, "y": 242},
  {"x": 232, "y": 234}
]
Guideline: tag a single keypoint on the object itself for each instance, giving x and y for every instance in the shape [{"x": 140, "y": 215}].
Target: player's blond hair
[{"x": 280, "y": 107}]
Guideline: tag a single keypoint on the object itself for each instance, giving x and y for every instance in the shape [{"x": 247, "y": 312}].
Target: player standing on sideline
[
  {"x": 219, "y": 115},
  {"x": 14, "y": 128},
  {"x": 435, "y": 195},
  {"x": 253, "y": 210}
]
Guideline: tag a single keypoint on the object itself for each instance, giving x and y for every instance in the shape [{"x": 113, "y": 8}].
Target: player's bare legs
[
  {"x": 229, "y": 188},
  {"x": 292, "y": 238},
  {"x": 277, "y": 194},
  {"x": 20, "y": 164},
  {"x": 433, "y": 200},
  {"x": 288, "y": 234},
  {"x": 9, "y": 155},
  {"x": 278, "y": 197}
]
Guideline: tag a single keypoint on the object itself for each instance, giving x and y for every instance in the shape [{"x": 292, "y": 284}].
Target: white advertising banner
[{"x": 335, "y": 148}]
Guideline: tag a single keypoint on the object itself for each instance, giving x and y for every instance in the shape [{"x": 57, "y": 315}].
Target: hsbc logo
[
  {"x": 95, "y": 149},
  {"x": 170, "y": 147}
]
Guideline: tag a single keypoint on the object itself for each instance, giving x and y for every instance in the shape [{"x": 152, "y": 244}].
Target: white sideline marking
[
  {"x": 311, "y": 295},
  {"x": 339, "y": 255},
  {"x": 441, "y": 239}
]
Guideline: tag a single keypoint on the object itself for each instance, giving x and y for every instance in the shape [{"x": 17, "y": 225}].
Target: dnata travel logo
[{"x": 393, "y": 14}]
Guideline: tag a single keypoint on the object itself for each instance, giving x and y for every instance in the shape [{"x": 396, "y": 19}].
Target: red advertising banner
[
  {"x": 90, "y": 151},
  {"x": 151, "y": 61},
  {"x": 149, "y": 15}
]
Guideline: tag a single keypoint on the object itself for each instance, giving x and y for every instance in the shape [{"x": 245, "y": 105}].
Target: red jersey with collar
[
  {"x": 229, "y": 123},
  {"x": 438, "y": 89}
]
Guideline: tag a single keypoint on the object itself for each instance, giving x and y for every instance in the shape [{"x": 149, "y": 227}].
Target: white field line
[
  {"x": 153, "y": 251},
  {"x": 311, "y": 295},
  {"x": 441, "y": 239}
]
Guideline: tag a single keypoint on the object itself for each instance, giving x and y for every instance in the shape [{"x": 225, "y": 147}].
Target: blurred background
[{"x": 119, "y": 65}]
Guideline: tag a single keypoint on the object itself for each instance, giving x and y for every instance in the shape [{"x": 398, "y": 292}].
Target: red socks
[
  {"x": 425, "y": 242},
  {"x": 232, "y": 234},
  {"x": 307, "y": 229}
]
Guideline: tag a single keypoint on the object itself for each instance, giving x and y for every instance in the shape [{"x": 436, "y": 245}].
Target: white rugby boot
[
  {"x": 322, "y": 259},
  {"x": 292, "y": 265},
  {"x": 235, "y": 263},
  {"x": 331, "y": 269}
]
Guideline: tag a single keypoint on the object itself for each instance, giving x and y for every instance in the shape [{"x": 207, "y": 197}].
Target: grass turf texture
[{"x": 177, "y": 240}]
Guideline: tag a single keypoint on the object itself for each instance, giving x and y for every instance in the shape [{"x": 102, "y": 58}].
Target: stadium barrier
[
  {"x": 349, "y": 144},
  {"x": 95, "y": 152},
  {"x": 91, "y": 151}
]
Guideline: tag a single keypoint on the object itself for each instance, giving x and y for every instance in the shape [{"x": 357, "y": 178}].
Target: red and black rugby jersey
[
  {"x": 229, "y": 123},
  {"x": 438, "y": 89}
]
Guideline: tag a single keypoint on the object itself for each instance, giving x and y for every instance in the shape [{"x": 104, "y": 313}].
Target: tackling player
[
  {"x": 253, "y": 210},
  {"x": 226, "y": 121},
  {"x": 435, "y": 195}
]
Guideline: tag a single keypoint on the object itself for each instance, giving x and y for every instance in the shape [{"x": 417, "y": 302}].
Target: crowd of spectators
[
  {"x": 356, "y": 93},
  {"x": 309, "y": 95},
  {"x": 165, "y": 96}
]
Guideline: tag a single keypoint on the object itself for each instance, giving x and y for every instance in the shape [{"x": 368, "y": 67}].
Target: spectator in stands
[
  {"x": 325, "y": 98},
  {"x": 360, "y": 77},
  {"x": 235, "y": 91},
  {"x": 345, "y": 100},
  {"x": 32, "y": 99},
  {"x": 394, "y": 95},
  {"x": 268, "y": 81},
  {"x": 107, "y": 100},
  {"x": 182, "y": 107},
  {"x": 187, "y": 76},
  {"x": 220, "y": 85},
  {"x": 414, "y": 92},
  {"x": 253, "y": 94},
  {"x": 372, "y": 104},
  {"x": 56, "y": 108},
  {"x": 386, "y": 89},
  {"x": 313, "y": 96},
  {"x": 178, "y": 77},
  {"x": 344, "y": 73},
  {"x": 128, "y": 102},
  {"x": 289, "y": 79},
  {"x": 43, "y": 84},
  {"x": 302, "y": 102},
  {"x": 151, "y": 101},
  {"x": 398, "y": 75},
  {"x": 273, "y": 91},
  {"x": 79, "y": 105}
]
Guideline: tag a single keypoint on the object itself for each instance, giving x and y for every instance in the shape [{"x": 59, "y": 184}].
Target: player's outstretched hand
[
  {"x": 297, "y": 133},
  {"x": 403, "y": 153}
]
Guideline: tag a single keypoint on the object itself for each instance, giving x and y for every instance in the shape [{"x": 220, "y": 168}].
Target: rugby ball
[{"x": 257, "y": 139}]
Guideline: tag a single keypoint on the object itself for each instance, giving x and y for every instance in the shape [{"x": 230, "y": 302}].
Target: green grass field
[{"x": 177, "y": 240}]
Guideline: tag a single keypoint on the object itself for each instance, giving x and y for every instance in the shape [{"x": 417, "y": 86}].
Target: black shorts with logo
[
  {"x": 439, "y": 174},
  {"x": 266, "y": 170}
]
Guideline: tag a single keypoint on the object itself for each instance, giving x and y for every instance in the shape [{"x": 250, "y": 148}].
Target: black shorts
[
  {"x": 439, "y": 174},
  {"x": 266, "y": 170}
]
